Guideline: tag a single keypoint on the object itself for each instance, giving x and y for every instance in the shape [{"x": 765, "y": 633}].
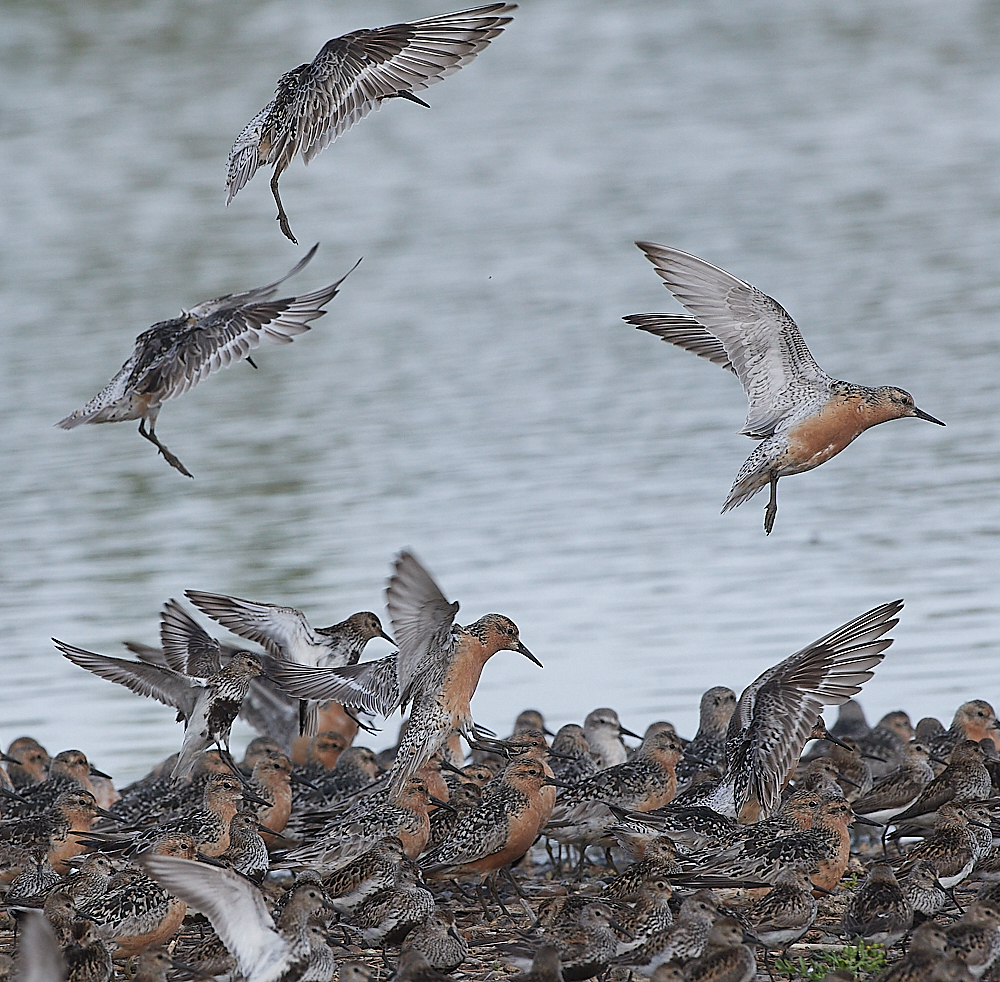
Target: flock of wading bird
[{"x": 287, "y": 866}]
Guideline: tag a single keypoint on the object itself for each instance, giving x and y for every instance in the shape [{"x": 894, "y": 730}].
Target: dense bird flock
[{"x": 764, "y": 840}]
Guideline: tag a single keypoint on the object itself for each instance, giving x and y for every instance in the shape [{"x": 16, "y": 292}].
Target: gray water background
[{"x": 473, "y": 393}]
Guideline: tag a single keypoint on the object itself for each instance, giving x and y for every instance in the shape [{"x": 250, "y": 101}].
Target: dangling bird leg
[
  {"x": 167, "y": 455},
  {"x": 772, "y": 506},
  {"x": 282, "y": 217}
]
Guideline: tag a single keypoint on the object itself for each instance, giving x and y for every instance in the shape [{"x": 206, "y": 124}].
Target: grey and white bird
[
  {"x": 352, "y": 75},
  {"x": 173, "y": 356},
  {"x": 207, "y": 710}
]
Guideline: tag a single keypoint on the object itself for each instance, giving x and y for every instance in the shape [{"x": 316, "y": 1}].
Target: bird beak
[
  {"x": 973, "y": 821},
  {"x": 847, "y": 780},
  {"x": 449, "y": 766},
  {"x": 248, "y": 795},
  {"x": 618, "y": 927},
  {"x": 829, "y": 893},
  {"x": 556, "y": 783},
  {"x": 868, "y": 821},
  {"x": 443, "y": 804},
  {"x": 382, "y": 634},
  {"x": 9, "y": 760},
  {"x": 13, "y": 795},
  {"x": 455, "y": 934},
  {"x": 96, "y": 773},
  {"x": 840, "y": 743},
  {"x": 266, "y": 829},
  {"x": 920, "y": 414},
  {"x": 937, "y": 760},
  {"x": 555, "y": 753},
  {"x": 527, "y": 654},
  {"x": 104, "y": 813},
  {"x": 623, "y": 732},
  {"x": 547, "y": 731},
  {"x": 299, "y": 779},
  {"x": 875, "y": 757}
]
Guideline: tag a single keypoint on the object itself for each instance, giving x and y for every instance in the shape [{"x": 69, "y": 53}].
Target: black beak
[
  {"x": 840, "y": 743},
  {"x": 829, "y": 893},
  {"x": 527, "y": 654},
  {"x": 266, "y": 829},
  {"x": 382, "y": 634},
  {"x": 547, "y": 731},
  {"x": 447, "y": 765},
  {"x": 97, "y": 773},
  {"x": 455, "y": 934},
  {"x": 13, "y": 795},
  {"x": 442, "y": 804},
  {"x": 981, "y": 825},
  {"x": 937, "y": 760},
  {"x": 248, "y": 795},
  {"x": 868, "y": 821},
  {"x": 875, "y": 757},
  {"x": 920, "y": 414},
  {"x": 556, "y": 753},
  {"x": 618, "y": 927},
  {"x": 847, "y": 780},
  {"x": 624, "y": 732},
  {"x": 104, "y": 813},
  {"x": 556, "y": 783},
  {"x": 7, "y": 759},
  {"x": 299, "y": 779}
]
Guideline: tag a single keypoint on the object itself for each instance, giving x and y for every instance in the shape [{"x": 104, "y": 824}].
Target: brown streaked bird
[
  {"x": 775, "y": 715},
  {"x": 368, "y": 821},
  {"x": 68, "y": 770},
  {"x": 900, "y": 788},
  {"x": 877, "y": 909},
  {"x": 684, "y": 940},
  {"x": 576, "y": 762},
  {"x": 785, "y": 913},
  {"x": 585, "y": 948},
  {"x": 649, "y": 915},
  {"x": 659, "y": 860},
  {"x": 355, "y": 972},
  {"x": 926, "y": 947},
  {"x": 324, "y": 751},
  {"x": 440, "y": 941},
  {"x": 435, "y": 671},
  {"x": 924, "y": 891},
  {"x": 385, "y": 918},
  {"x": 644, "y": 782},
  {"x": 352, "y": 75},
  {"x": 725, "y": 959},
  {"x": 974, "y": 720},
  {"x": 801, "y": 416},
  {"x": 964, "y": 779},
  {"x": 32, "y": 765},
  {"x": 975, "y": 939},
  {"x": 413, "y": 966},
  {"x": 247, "y": 852},
  {"x": 173, "y": 356},
  {"x": 888, "y": 739},
  {"x": 546, "y": 965},
  {"x": 272, "y": 781},
  {"x": 372, "y": 871},
  {"x": 708, "y": 747},
  {"x": 286, "y": 634},
  {"x": 951, "y": 849},
  {"x": 87, "y": 957},
  {"x": 501, "y": 830}
]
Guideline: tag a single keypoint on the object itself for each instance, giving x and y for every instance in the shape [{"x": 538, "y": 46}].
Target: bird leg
[
  {"x": 522, "y": 899},
  {"x": 282, "y": 218},
  {"x": 609, "y": 859},
  {"x": 772, "y": 506},
  {"x": 167, "y": 455}
]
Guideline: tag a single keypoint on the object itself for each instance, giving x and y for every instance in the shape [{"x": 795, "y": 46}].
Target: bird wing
[
  {"x": 476, "y": 835},
  {"x": 217, "y": 334},
  {"x": 775, "y": 714},
  {"x": 235, "y": 908},
  {"x": 283, "y": 631},
  {"x": 187, "y": 648},
  {"x": 370, "y": 686},
  {"x": 40, "y": 958},
  {"x": 422, "y": 620},
  {"x": 686, "y": 332},
  {"x": 163, "y": 684},
  {"x": 763, "y": 343},
  {"x": 354, "y": 74}
]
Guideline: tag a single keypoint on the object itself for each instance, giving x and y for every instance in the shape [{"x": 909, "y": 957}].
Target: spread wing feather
[
  {"x": 187, "y": 647},
  {"x": 369, "y": 686},
  {"x": 163, "y": 684},
  {"x": 686, "y": 332},
  {"x": 776, "y": 713},
  {"x": 762, "y": 341}
]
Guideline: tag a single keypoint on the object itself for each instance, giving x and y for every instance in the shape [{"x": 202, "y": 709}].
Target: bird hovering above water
[
  {"x": 173, "y": 356},
  {"x": 801, "y": 415},
  {"x": 352, "y": 75}
]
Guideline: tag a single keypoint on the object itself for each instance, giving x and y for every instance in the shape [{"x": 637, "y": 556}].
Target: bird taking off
[
  {"x": 801, "y": 415},
  {"x": 352, "y": 75}
]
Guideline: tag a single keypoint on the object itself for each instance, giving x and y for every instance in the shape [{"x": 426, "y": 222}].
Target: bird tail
[{"x": 754, "y": 475}]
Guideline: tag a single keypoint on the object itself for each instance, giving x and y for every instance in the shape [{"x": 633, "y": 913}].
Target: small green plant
[{"x": 864, "y": 960}]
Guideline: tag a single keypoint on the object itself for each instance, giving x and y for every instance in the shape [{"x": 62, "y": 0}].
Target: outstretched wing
[
  {"x": 370, "y": 686},
  {"x": 762, "y": 341},
  {"x": 163, "y": 684},
  {"x": 235, "y": 908},
  {"x": 169, "y": 364},
  {"x": 776, "y": 713},
  {"x": 354, "y": 74},
  {"x": 40, "y": 959},
  {"x": 422, "y": 620},
  {"x": 686, "y": 332},
  {"x": 187, "y": 647}
]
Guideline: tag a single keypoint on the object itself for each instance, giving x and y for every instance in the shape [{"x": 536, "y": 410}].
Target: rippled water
[{"x": 473, "y": 393}]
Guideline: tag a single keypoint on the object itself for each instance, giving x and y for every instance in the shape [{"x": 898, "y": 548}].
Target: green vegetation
[{"x": 864, "y": 960}]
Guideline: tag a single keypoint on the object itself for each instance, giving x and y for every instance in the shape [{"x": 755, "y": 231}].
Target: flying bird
[
  {"x": 801, "y": 415},
  {"x": 352, "y": 75},
  {"x": 173, "y": 356}
]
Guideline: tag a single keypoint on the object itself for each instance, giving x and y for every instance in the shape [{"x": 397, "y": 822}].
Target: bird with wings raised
[
  {"x": 207, "y": 710},
  {"x": 352, "y": 75},
  {"x": 435, "y": 671},
  {"x": 801, "y": 415},
  {"x": 173, "y": 356}
]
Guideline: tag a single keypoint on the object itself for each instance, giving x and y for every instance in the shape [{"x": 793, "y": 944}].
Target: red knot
[{"x": 801, "y": 416}]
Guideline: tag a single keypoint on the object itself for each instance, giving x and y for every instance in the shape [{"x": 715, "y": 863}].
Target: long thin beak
[
  {"x": 847, "y": 780},
  {"x": 13, "y": 795},
  {"x": 556, "y": 783},
  {"x": 447, "y": 765},
  {"x": 527, "y": 654},
  {"x": 443, "y": 804},
  {"x": 937, "y": 760},
  {"x": 840, "y": 743},
  {"x": 382, "y": 634},
  {"x": 624, "y": 732},
  {"x": 104, "y": 813},
  {"x": 920, "y": 414},
  {"x": 9, "y": 760},
  {"x": 547, "y": 731},
  {"x": 868, "y": 756},
  {"x": 248, "y": 795},
  {"x": 868, "y": 821},
  {"x": 973, "y": 821},
  {"x": 97, "y": 773},
  {"x": 618, "y": 927},
  {"x": 561, "y": 756},
  {"x": 299, "y": 779}
]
